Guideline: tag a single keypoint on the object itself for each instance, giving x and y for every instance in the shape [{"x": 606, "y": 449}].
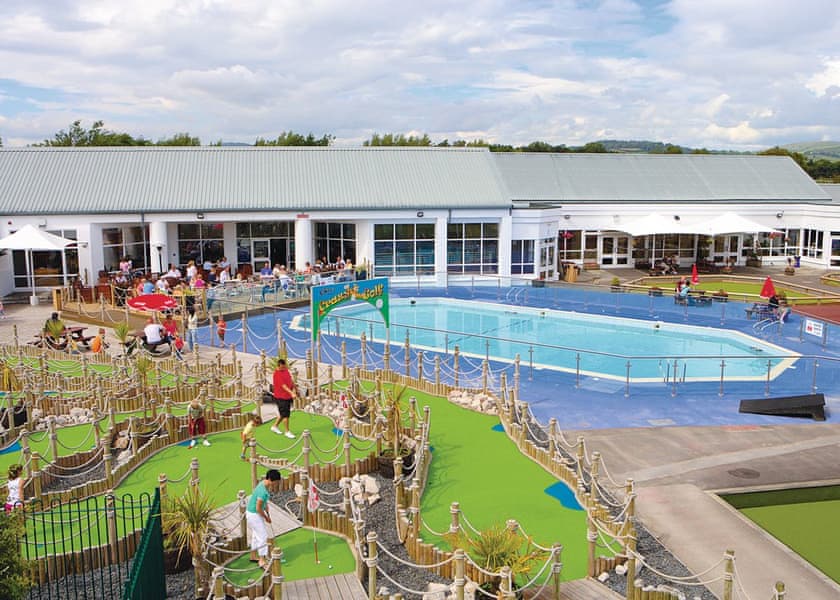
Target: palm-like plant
[
  {"x": 497, "y": 547},
  {"x": 187, "y": 522},
  {"x": 392, "y": 409},
  {"x": 8, "y": 380},
  {"x": 122, "y": 332}
]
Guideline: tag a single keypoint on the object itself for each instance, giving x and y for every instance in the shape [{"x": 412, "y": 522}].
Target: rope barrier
[{"x": 687, "y": 580}]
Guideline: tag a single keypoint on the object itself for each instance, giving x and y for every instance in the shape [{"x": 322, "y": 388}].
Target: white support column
[
  {"x": 304, "y": 246},
  {"x": 158, "y": 247},
  {"x": 505, "y": 237},
  {"x": 440, "y": 250}
]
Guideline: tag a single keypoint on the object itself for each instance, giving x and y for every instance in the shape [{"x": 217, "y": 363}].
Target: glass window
[
  {"x": 47, "y": 266},
  {"x": 472, "y": 248},
  {"x": 333, "y": 240},
  {"x": 264, "y": 241},
  {"x": 125, "y": 241},
  {"x": 521, "y": 257},
  {"x": 200, "y": 242},
  {"x": 404, "y": 249}
]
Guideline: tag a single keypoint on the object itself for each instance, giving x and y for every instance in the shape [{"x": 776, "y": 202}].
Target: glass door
[
  {"x": 615, "y": 250},
  {"x": 260, "y": 253}
]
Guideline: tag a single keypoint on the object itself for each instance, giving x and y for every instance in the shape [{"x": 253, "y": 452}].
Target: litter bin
[
  {"x": 570, "y": 272},
  {"x": 796, "y": 261}
]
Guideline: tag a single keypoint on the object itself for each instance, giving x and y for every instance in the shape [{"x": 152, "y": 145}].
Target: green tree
[
  {"x": 778, "y": 151},
  {"x": 397, "y": 139},
  {"x": 14, "y": 582},
  {"x": 672, "y": 149},
  {"x": 97, "y": 135},
  {"x": 700, "y": 151},
  {"x": 290, "y": 138},
  {"x": 179, "y": 139},
  {"x": 593, "y": 147}
]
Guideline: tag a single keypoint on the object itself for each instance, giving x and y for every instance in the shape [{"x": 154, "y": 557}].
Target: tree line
[{"x": 77, "y": 135}]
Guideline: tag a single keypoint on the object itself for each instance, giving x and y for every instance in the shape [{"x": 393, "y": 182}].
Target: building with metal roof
[{"x": 430, "y": 213}]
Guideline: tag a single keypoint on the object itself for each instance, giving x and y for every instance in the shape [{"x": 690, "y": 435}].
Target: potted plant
[
  {"x": 655, "y": 291},
  {"x": 615, "y": 284},
  {"x": 753, "y": 260},
  {"x": 391, "y": 410},
  {"x": 122, "y": 331},
  {"x": 720, "y": 296},
  {"x": 187, "y": 523},
  {"x": 538, "y": 282},
  {"x": 789, "y": 269},
  {"x": 498, "y": 547}
]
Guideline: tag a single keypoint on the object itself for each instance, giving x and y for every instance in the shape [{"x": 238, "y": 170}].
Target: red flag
[
  {"x": 314, "y": 500},
  {"x": 768, "y": 289},
  {"x": 695, "y": 279}
]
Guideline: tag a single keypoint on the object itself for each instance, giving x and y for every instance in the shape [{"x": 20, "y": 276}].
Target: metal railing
[{"x": 147, "y": 579}]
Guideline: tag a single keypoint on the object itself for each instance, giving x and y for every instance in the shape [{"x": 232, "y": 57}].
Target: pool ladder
[{"x": 667, "y": 378}]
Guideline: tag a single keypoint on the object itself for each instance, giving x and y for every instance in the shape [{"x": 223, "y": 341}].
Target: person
[
  {"x": 196, "y": 422},
  {"x": 169, "y": 325},
  {"x": 154, "y": 334},
  {"x": 51, "y": 325},
  {"x": 680, "y": 285},
  {"x": 148, "y": 286},
  {"x": 257, "y": 515},
  {"x": 221, "y": 328},
  {"x": 773, "y": 305},
  {"x": 248, "y": 432},
  {"x": 98, "y": 343},
  {"x": 54, "y": 320},
  {"x": 191, "y": 271},
  {"x": 197, "y": 282},
  {"x": 224, "y": 275},
  {"x": 224, "y": 263},
  {"x": 125, "y": 265},
  {"x": 266, "y": 273},
  {"x": 192, "y": 327},
  {"x": 15, "y": 486},
  {"x": 285, "y": 391},
  {"x": 178, "y": 344},
  {"x": 162, "y": 285},
  {"x": 173, "y": 272},
  {"x": 2, "y": 310}
]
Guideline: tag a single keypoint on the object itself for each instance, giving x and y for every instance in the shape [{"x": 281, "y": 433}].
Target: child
[
  {"x": 15, "y": 485},
  {"x": 98, "y": 343},
  {"x": 221, "y": 328},
  {"x": 197, "y": 424},
  {"x": 248, "y": 433},
  {"x": 178, "y": 345}
]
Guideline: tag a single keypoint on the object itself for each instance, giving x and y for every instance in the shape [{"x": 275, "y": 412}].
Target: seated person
[
  {"x": 682, "y": 297},
  {"x": 53, "y": 332},
  {"x": 266, "y": 273},
  {"x": 154, "y": 334},
  {"x": 680, "y": 285},
  {"x": 148, "y": 286},
  {"x": 173, "y": 272},
  {"x": 98, "y": 343}
]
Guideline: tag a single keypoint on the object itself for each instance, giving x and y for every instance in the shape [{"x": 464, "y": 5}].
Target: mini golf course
[{"x": 807, "y": 520}]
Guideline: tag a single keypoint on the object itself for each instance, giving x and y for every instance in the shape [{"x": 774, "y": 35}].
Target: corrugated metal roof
[
  {"x": 117, "y": 180},
  {"x": 655, "y": 178}
]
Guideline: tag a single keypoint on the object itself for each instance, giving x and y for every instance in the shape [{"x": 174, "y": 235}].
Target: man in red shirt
[{"x": 285, "y": 391}]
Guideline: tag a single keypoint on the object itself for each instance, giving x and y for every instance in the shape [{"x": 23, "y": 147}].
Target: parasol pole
[{"x": 30, "y": 273}]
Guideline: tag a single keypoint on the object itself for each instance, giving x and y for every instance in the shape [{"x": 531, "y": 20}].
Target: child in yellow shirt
[{"x": 248, "y": 433}]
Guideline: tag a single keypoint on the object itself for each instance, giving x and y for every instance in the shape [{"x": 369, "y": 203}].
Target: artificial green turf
[
  {"x": 485, "y": 473},
  {"x": 221, "y": 470},
  {"x": 809, "y": 529},
  {"x": 299, "y": 558}
]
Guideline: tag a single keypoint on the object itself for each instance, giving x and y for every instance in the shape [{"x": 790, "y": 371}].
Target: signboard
[
  {"x": 327, "y": 297},
  {"x": 814, "y": 328}
]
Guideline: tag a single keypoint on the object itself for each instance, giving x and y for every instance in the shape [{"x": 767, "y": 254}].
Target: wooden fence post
[
  {"x": 779, "y": 591},
  {"x": 363, "y": 339},
  {"x": 277, "y": 573},
  {"x": 631, "y": 561},
  {"x": 252, "y": 444},
  {"x": 505, "y": 586},
  {"x": 371, "y": 563},
  {"x": 219, "y": 583},
  {"x": 111, "y": 523},
  {"x": 456, "y": 353},
  {"x": 460, "y": 579},
  {"x": 728, "y": 573},
  {"x": 108, "y": 458},
  {"x": 36, "y": 476},
  {"x": 420, "y": 366},
  {"x": 53, "y": 438},
  {"x": 556, "y": 568},
  {"x": 194, "y": 480},
  {"x": 243, "y": 522}
]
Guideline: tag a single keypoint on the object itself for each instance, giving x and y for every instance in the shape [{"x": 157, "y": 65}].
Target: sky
[{"x": 719, "y": 74}]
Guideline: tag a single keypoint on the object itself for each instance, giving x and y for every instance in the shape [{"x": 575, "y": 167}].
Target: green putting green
[
  {"x": 482, "y": 470},
  {"x": 299, "y": 558},
  {"x": 220, "y": 468},
  {"x": 807, "y": 520}
]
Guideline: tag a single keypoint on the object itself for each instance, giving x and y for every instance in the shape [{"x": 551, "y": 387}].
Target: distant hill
[
  {"x": 817, "y": 150},
  {"x": 649, "y": 147}
]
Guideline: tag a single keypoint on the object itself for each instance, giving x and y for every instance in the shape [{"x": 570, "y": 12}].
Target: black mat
[{"x": 810, "y": 406}]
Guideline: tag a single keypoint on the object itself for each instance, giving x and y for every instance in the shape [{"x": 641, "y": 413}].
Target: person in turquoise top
[{"x": 257, "y": 515}]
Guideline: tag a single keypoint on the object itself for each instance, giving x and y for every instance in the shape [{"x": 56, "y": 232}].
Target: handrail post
[
  {"x": 277, "y": 573},
  {"x": 728, "y": 573},
  {"x": 371, "y": 563}
]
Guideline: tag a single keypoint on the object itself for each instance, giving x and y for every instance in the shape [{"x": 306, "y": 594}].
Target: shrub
[{"x": 14, "y": 579}]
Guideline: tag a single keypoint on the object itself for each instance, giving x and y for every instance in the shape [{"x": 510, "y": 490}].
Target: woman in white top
[
  {"x": 15, "y": 486},
  {"x": 192, "y": 328}
]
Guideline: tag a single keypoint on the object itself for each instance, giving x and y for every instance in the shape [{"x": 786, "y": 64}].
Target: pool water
[{"x": 568, "y": 341}]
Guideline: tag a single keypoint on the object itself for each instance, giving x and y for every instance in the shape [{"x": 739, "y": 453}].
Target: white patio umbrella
[
  {"x": 728, "y": 223},
  {"x": 29, "y": 239},
  {"x": 652, "y": 225}
]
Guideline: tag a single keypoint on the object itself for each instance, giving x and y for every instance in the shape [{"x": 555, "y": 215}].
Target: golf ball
[{"x": 329, "y": 566}]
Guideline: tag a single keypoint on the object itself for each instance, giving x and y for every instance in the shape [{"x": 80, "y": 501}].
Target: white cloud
[{"x": 718, "y": 74}]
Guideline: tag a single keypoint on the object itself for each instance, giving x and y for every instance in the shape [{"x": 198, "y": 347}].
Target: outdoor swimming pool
[{"x": 595, "y": 345}]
